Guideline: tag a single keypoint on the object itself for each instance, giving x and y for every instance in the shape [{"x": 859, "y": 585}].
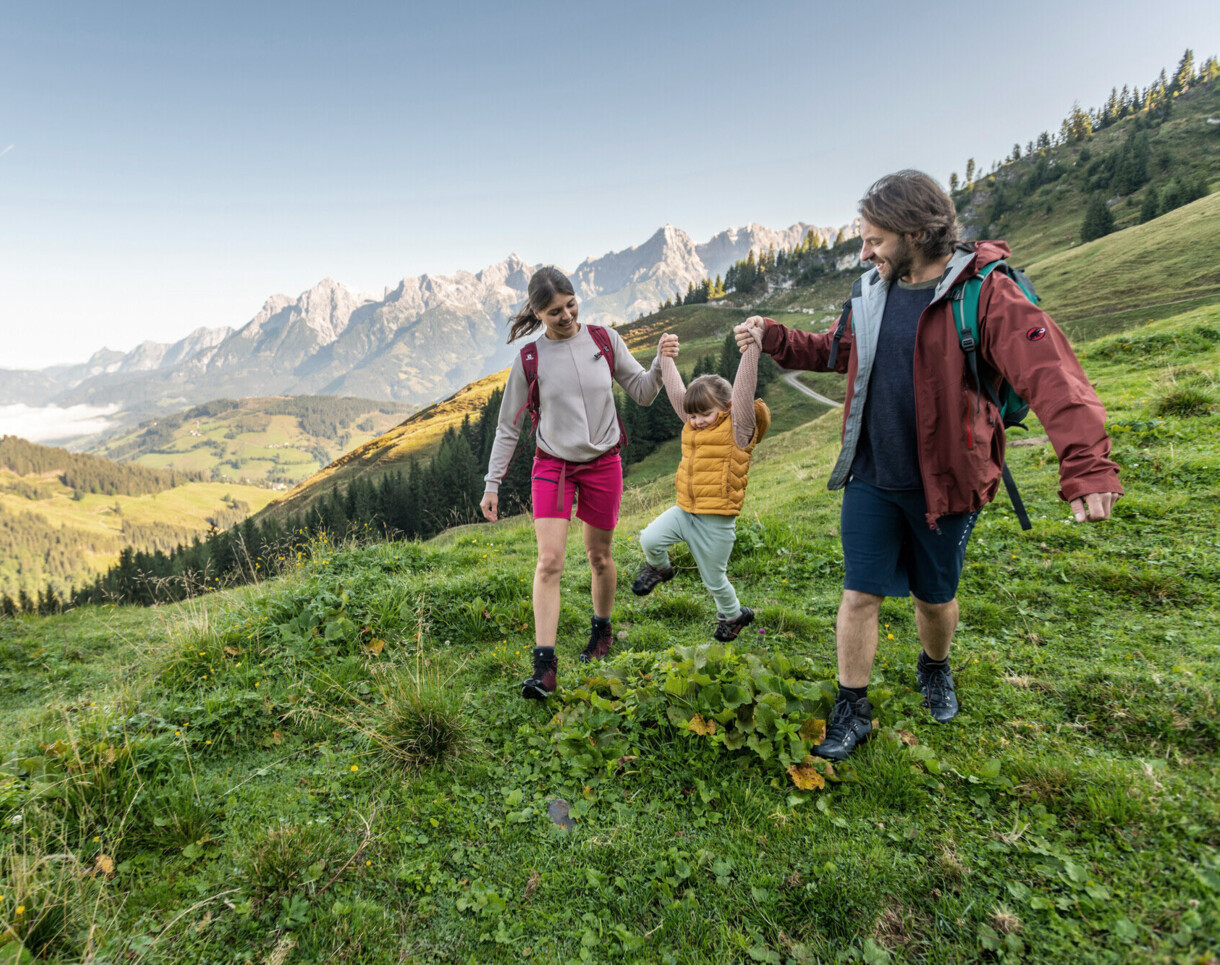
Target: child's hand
[
  {"x": 668, "y": 346},
  {"x": 750, "y": 332}
]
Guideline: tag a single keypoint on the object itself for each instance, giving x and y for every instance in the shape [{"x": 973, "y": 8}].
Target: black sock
[
  {"x": 601, "y": 623},
  {"x": 852, "y": 694},
  {"x": 927, "y": 663}
]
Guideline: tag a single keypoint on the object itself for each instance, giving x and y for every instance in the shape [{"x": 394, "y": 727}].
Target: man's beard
[{"x": 901, "y": 262}]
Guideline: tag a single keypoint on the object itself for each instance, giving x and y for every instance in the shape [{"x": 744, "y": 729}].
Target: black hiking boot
[
  {"x": 849, "y": 725},
  {"x": 648, "y": 577},
  {"x": 601, "y": 639},
  {"x": 546, "y": 667},
  {"x": 727, "y": 630},
  {"x": 936, "y": 685}
]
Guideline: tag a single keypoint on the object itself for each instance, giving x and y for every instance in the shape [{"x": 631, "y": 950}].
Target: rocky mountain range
[{"x": 423, "y": 339}]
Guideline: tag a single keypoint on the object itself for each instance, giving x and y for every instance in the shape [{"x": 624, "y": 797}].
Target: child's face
[{"x": 701, "y": 420}]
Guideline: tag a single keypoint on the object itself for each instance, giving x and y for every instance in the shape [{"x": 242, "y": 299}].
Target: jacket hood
[{"x": 985, "y": 252}]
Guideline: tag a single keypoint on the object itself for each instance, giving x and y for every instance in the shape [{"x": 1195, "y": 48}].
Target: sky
[{"x": 166, "y": 166}]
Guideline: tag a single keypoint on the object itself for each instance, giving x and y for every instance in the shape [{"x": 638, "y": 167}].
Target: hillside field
[{"x": 334, "y": 765}]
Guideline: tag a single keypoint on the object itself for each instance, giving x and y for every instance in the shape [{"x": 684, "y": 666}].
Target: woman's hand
[
  {"x": 668, "y": 346},
  {"x": 750, "y": 332},
  {"x": 490, "y": 505}
]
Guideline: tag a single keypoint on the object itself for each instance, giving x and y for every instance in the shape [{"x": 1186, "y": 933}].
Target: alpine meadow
[{"x": 301, "y": 739}]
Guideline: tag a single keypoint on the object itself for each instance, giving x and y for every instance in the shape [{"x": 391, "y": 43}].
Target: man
[{"x": 923, "y": 444}]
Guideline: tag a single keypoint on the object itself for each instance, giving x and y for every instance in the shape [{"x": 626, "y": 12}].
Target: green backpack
[{"x": 964, "y": 298}]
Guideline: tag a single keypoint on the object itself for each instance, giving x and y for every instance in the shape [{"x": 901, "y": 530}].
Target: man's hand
[
  {"x": 1093, "y": 507},
  {"x": 749, "y": 332},
  {"x": 490, "y": 505},
  {"x": 668, "y": 346}
]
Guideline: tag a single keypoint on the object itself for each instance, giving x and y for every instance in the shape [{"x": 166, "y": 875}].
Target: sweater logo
[{"x": 1036, "y": 333}]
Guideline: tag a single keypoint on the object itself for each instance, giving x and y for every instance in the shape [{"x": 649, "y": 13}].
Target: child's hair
[
  {"x": 706, "y": 393},
  {"x": 544, "y": 285}
]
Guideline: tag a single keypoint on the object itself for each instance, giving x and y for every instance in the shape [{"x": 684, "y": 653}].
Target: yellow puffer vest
[{"x": 714, "y": 470}]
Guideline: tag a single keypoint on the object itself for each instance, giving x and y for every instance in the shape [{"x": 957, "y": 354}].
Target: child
[{"x": 723, "y": 424}]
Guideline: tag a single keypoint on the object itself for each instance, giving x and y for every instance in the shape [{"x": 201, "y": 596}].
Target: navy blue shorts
[{"x": 888, "y": 549}]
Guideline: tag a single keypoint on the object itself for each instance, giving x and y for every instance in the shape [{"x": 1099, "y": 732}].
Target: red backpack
[{"x": 529, "y": 364}]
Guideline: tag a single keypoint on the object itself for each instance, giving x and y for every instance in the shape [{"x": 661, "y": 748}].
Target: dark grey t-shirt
[{"x": 887, "y": 455}]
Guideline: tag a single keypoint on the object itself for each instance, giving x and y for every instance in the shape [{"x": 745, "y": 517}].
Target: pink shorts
[{"x": 555, "y": 482}]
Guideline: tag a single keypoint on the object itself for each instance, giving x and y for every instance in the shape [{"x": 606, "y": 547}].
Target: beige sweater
[{"x": 577, "y": 420}]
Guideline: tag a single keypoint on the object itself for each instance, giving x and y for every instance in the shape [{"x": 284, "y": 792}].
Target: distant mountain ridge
[{"x": 423, "y": 339}]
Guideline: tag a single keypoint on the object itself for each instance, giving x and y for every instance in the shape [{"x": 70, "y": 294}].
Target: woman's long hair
[{"x": 544, "y": 285}]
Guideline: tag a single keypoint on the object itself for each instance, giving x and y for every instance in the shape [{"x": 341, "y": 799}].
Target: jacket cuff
[
  {"x": 772, "y": 335},
  {"x": 1081, "y": 486},
  {"x": 491, "y": 487}
]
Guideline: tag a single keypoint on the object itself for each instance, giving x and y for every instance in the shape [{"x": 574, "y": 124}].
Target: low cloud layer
[{"x": 52, "y": 423}]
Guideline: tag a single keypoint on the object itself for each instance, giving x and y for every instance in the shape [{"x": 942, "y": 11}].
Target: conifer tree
[
  {"x": 970, "y": 172},
  {"x": 1184, "y": 76},
  {"x": 1098, "y": 221},
  {"x": 1151, "y": 206}
]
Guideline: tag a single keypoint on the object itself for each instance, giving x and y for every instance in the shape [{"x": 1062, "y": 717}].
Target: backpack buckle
[{"x": 968, "y": 343}]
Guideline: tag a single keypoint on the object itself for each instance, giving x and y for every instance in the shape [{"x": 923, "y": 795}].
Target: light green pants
[{"x": 710, "y": 540}]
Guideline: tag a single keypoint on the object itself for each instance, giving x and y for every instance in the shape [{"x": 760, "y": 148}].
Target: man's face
[{"x": 892, "y": 253}]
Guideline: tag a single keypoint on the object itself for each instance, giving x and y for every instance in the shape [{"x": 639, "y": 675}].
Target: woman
[{"x": 570, "y": 372}]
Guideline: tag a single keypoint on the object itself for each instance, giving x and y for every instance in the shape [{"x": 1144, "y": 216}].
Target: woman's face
[{"x": 559, "y": 317}]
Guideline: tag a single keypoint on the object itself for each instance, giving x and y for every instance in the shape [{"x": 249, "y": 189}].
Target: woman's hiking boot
[
  {"x": 935, "y": 680},
  {"x": 727, "y": 630},
  {"x": 648, "y": 577},
  {"x": 849, "y": 725},
  {"x": 546, "y": 667},
  {"x": 601, "y": 639}
]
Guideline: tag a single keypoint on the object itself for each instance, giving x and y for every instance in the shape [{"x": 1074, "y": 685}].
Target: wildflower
[
  {"x": 367, "y": 863},
  {"x": 355, "y": 768},
  {"x": 207, "y": 742},
  {"x": 20, "y": 910},
  {"x": 889, "y": 636},
  {"x": 97, "y": 838},
  {"x": 177, "y": 733}
]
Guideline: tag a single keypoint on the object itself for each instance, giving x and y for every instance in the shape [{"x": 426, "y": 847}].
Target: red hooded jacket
[{"x": 960, "y": 437}]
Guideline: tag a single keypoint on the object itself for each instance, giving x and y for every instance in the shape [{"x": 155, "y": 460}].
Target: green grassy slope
[
  {"x": 272, "y": 442},
  {"x": 223, "y": 780},
  {"x": 67, "y": 541}
]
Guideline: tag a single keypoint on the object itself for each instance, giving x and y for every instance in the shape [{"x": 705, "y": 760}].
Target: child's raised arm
[
  {"x": 743, "y": 392},
  {"x": 671, "y": 378}
]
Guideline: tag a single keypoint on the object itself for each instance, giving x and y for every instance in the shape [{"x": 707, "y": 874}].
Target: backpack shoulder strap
[
  {"x": 965, "y": 301},
  {"x": 605, "y": 345},
  {"x": 844, "y": 320},
  {"x": 605, "y": 348},
  {"x": 529, "y": 365}
]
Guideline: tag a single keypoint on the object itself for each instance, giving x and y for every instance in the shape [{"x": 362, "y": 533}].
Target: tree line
[{"x": 88, "y": 474}]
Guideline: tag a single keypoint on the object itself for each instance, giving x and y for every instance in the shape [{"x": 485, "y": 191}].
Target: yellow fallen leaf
[
  {"x": 232, "y": 652},
  {"x": 701, "y": 726},
  {"x": 376, "y": 645},
  {"x": 103, "y": 865},
  {"x": 805, "y": 777},
  {"x": 814, "y": 730}
]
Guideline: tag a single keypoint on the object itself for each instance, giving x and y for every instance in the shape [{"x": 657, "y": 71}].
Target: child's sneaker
[
  {"x": 727, "y": 630},
  {"x": 601, "y": 639},
  {"x": 546, "y": 667},
  {"x": 648, "y": 577}
]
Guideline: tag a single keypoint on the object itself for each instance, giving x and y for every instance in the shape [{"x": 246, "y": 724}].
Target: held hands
[
  {"x": 490, "y": 505},
  {"x": 749, "y": 332},
  {"x": 668, "y": 346},
  {"x": 1093, "y": 507}
]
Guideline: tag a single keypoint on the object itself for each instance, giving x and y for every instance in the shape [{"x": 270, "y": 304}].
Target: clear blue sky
[{"x": 169, "y": 165}]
